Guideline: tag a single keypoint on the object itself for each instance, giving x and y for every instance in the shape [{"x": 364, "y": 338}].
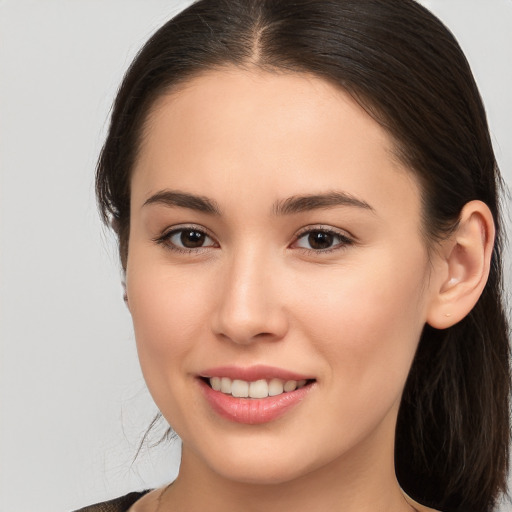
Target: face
[{"x": 275, "y": 249}]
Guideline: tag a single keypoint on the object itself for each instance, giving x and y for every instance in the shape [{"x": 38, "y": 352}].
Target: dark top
[{"x": 121, "y": 504}]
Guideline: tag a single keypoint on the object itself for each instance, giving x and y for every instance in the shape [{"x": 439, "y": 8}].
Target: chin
[
  {"x": 265, "y": 463},
  {"x": 261, "y": 473}
]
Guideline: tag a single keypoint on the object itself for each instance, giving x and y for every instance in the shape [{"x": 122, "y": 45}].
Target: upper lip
[{"x": 253, "y": 373}]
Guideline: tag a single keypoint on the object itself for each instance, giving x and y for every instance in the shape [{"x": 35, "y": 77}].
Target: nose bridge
[{"x": 248, "y": 307}]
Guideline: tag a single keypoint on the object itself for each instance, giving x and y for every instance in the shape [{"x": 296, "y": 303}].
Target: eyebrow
[
  {"x": 289, "y": 206},
  {"x": 184, "y": 200},
  {"x": 298, "y": 204}
]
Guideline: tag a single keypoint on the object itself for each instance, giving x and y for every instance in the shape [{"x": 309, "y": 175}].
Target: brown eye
[
  {"x": 322, "y": 240},
  {"x": 187, "y": 238},
  {"x": 192, "y": 239}
]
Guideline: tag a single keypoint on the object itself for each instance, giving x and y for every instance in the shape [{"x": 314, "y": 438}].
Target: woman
[{"x": 305, "y": 196}]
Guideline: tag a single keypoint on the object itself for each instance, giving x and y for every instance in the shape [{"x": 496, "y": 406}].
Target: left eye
[
  {"x": 321, "y": 240},
  {"x": 188, "y": 238}
]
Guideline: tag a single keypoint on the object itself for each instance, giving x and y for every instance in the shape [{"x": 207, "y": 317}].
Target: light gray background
[{"x": 73, "y": 401}]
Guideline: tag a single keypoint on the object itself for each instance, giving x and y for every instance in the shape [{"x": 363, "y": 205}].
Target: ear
[{"x": 462, "y": 267}]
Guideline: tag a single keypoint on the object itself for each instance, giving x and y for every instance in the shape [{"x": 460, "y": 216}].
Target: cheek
[
  {"x": 167, "y": 309},
  {"x": 366, "y": 321}
]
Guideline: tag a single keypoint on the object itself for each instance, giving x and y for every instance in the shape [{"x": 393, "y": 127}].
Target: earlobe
[{"x": 463, "y": 266}]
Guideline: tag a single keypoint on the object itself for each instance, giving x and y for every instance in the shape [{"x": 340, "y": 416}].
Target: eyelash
[
  {"x": 343, "y": 239},
  {"x": 165, "y": 238}
]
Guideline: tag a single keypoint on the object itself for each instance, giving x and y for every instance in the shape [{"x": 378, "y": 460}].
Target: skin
[{"x": 257, "y": 292}]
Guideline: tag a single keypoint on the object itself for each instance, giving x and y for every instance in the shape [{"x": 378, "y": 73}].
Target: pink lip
[
  {"x": 252, "y": 411},
  {"x": 253, "y": 373}
]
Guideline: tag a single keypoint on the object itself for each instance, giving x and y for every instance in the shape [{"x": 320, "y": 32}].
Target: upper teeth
[{"x": 257, "y": 389}]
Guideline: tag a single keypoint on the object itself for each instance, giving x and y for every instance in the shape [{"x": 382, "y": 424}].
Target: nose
[{"x": 250, "y": 304}]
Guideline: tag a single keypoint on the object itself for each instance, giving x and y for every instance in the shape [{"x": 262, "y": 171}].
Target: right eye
[{"x": 186, "y": 240}]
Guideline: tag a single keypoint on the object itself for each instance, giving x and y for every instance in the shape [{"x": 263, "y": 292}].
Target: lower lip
[{"x": 253, "y": 411}]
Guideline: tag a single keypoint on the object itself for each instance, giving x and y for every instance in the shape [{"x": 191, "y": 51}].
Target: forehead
[
  {"x": 239, "y": 132},
  {"x": 238, "y": 103}
]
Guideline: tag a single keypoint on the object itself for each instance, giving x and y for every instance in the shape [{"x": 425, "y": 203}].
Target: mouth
[{"x": 254, "y": 395}]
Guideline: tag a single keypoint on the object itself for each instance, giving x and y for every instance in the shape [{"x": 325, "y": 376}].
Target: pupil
[
  {"x": 192, "y": 239},
  {"x": 320, "y": 240}
]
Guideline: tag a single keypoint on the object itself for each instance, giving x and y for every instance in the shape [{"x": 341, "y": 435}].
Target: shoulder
[{"x": 121, "y": 504}]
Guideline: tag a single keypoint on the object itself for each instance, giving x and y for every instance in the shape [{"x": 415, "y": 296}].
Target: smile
[
  {"x": 254, "y": 395},
  {"x": 261, "y": 388}
]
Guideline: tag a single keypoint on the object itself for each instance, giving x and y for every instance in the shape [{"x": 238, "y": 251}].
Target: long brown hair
[{"x": 407, "y": 70}]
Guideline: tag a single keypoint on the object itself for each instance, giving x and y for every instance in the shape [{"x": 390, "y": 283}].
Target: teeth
[
  {"x": 257, "y": 389},
  {"x": 215, "y": 383},
  {"x": 275, "y": 387},
  {"x": 290, "y": 385},
  {"x": 225, "y": 385},
  {"x": 240, "y": 388}
]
